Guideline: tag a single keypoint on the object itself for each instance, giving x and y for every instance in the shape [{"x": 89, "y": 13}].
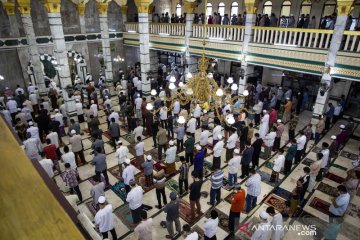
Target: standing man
[
  {"x": 278, "y": 165},
  {"x": 148, "y": 171},
  {"x": 139, "y": 148},
  {"x": 320, "y": 126},
  {"x": 253, "y": 185},
  {"x": 262, "y": 231},
  {"x": 77, "y": 147},
  {"x": 128, "y": 174},
  {"x": 289, "y": 157},
  {"x": 277, "y": 224},
  {"x": 216, "y": 184},
  {"x": 269, "y": 140},
  {"x": 79, "y": 111},
  {"x": 199, "y": 161},
  {"x": 121, "y": 155},
  {"x": 247, "y": 157},
  {"x": 231, "y": 144},
  {"x": 237, "y": 206},
  {"x": 180, "y": 133},
  {"x": 144, "y": 229},
  {"x": 204, "y": 136},
  {"x": 189, "y": 147},
  {"x": 134, "y": 198},
  {"x": 161, "y": 141},
  {"x": 172, "y": 215},
  {"x": 183, "y": 176},
  {"x": 99, "y": 161},
  {"x": 324, "y": 161},
  {"x": 218, "y": 148},
  {"x": 96, "y": 191},
  {"x": 114, "y": 129},
  {"x": 279, "y": 131},
  {"x": 70, "y": 178},
  {"x": 301, "y": 141},
  {"x": 170, "y": 157},
  {"x": 257, "y": 144},
  {"x": 217, "y": 131},
  {"x": 329, "y": 116},
  {"x": 104, "y": 218},
  {"x": 234, "y": 165},
  {"x": 195, "y": 194}
]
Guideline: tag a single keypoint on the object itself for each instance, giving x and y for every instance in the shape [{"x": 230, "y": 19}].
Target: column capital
[
  {"x": 52, "y": 6},
  {"x": 9, "y": 8},
  {"x": 24, "y": 6},
  {"x": 190, "y": 7},
  {"x": 102, "y": 6},
  {"x": 344, "y": 7},
  {"x": 124, "y": 9},
  {"x": 81, "y": 9},
  {"x": 143, "y": 5},
  {"x": 251, "y": 6}
]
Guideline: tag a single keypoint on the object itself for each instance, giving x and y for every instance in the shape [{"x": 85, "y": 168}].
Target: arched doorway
[
  {"x": 77, "y": 66},
  {"x": 49, "y": 68}
]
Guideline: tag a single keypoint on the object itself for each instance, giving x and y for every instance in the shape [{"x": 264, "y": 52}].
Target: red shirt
[
  {"x": 238, "y": 201},
  {"x": 50, "y": 152}
]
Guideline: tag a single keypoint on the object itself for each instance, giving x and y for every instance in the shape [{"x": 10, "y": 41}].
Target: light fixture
[
  {"x": 210, "y": 75},
  {"x": 181, "y": 120},
  {"x": 1, "y": 78},
  {"x": 246, "y": 93},
  {"x": 118, "y": 59},
  {"x": 181, "y": 84},
  {"x": 189, "y": 75},
  {"x": 234, "y": 87},
  {"x": 149, "y": 106},
  {"x": 230, "y": 80},
  {"x": 230, "y": 119},
  {"x": 153, "y": 92},
  {"x": 172, "y": 86},
  {"x": 172, "y": 79},
  {"x": 219, "y": 92},
  {"x": 189, "y": 91}
]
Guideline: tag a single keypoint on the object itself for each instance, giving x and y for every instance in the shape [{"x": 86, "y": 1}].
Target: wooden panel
[{"x": 28, "y": 208}]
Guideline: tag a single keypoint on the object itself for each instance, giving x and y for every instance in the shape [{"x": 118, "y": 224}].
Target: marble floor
[{"x": 284, "y": 186}]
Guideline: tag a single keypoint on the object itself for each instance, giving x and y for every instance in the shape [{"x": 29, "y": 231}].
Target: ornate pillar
[
  {"x": 343, "y": 9},
  {"x": 60, "y": 53},
  {"x": 24, "y": 9},
  {"x": 102, "y": 8},
  {"x": 10, "y": 11},
  {"x": 81, "y": 10},
  {"x": 189, "y": 9},
  {"x": 144, "y": 39},
  {"x": 251, "y": 7}
]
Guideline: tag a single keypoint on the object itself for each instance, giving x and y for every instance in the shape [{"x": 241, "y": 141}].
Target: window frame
[
  {"x": 232, "y": 7},
  {"x": 221, "y": 6},
  {"x": 267, "y": 6},
  {"x": 285, "y": 5},
  {"x": 178, "y": 6}
]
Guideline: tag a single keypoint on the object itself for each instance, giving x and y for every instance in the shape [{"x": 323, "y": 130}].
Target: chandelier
[{"x": 118, "y": 59}]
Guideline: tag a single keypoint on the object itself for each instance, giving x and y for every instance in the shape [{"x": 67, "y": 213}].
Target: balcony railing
[
  {"x": 132, "y": 27},
  {"x": 223, "y": 32},
  {"x": 351, "y": 41},
  {"x": 173, "y": 29},
  {"x": 308, "y": 38}
]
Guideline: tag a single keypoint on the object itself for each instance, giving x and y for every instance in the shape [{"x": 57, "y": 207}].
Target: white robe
[
  {"x": 264, "y": 126},
  {"x": 277, "y": 233}
]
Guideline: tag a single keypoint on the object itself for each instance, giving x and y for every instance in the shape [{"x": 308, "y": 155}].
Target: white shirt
[
  {"x": 48, "y": 165},
  {"x": 337, "y": 110},
  {"x": 94, "y": 109},
  {"x": 216, "y": 132},
  {"x": 128, "y": 174},
  {"x": 139, "y": 148},
  {"x": 124, "y": 84},
  {"x": 33, "y": 99},
  {"x": 63, "y": 110},
  {"x": 227, "y": 107},
  {"x": 325, "y": 158},
  {"x": 162, "y": 93},
  {"x": 163, "y": 113},
  {"x": 192, "y": 236},
  {"x": 262, "y": 233},
  {"x": 170, "y": 155},
  {"x": 79, "y": 108},
  {"x": 46, "y": 106},
  {"x": 108, "y": 101},
  {"x": 114, "y": 115},
  {"x": 231, "y": 142},
  {"x": 34, "y": 131},
  {"x": 191, "y": 125},
  {"x": 121, "y": 154},
  {"x": 59, "y": 117},
  {"x": 139, "y": 86},
  {"x": 19, "y": 90},
  {"x": 12, "y": 106},
  {"x": 253, "y": 185},
  {"x": 234, "y": 164},
  {"x": 138, "y": 132},
  {"x": 210, "y": 227},
  {"x": 69, "y": 158},
  {"x": 197, "y": 111},
  {"x": 31, "y": 89},
  {"x": 342, "y": 201},
  {"x": 218, "y": 148},
  {"x": 138, "y": 102},
  {"x": 54, "y": 138},
  {"x": 277, "y": 233},
  {"x": 134, "y": 197},
  {"x": 32, "y": 147},
  {"x": 301, "y": 142},
  {"x": 176, "y": 107},
  {"x": 135, "y": 81},
  {"x": 105, "y": 219},
  {"x": 279, "y": 163},
  {"x": 204, "y": 136},
  {"x": 258, "y": 107},
  {"x": 269, "y": 139}
]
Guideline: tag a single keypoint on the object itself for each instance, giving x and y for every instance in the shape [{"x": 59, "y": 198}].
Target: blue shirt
[
  {"x": 217, "y": 179},
  {"x": 199, "y": 161},
  {"x": 247, "y": 156},
  {"x": 330, "y": 113}
]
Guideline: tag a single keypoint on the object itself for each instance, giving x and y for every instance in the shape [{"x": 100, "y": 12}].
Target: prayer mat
[
  {"x": 185, "y": 212},
  {"x": 199, "y": 231},
  {"x": 348, "y": 155},
  {"x": 208, "y": 165},
  {"x": 86, "y": 130},
  {"x": 285, "y": 194},
  {"x": 338, "y": 166},
  {"x": 129, "y": 138},
  {"x": 210, "y": 145},
  {"x": 350, "y": 230},
  {"x": 140, "y": 180},
  {"x": 245, "y": 231},
  {"x": 111, "y": 143},
  {"x": 223, "y": 219},
  {"x": 308, "y": 219},
  {"x": 225, "y": 181},
  {"x": 320, "y": 205},
  {"x": 334, "y": 177},
  {"x": 159, "y": 166},
  {"x": 265, "y": 177},
  {"x": 173, "y": 185},
  {"x": 92, "y": 181},
  {"x": 107, "y": 134},
  {"x": 154, "y": 153},
  {"x": 316, "y": 150},
  {"x": 307, "y": 162},
  {"x": 119, "y": 189},
  {"x": 206, "y": 172},
  {"x": 92, "y": 207},
  {"x": 135, "y": 164},
  {"x": 277, "y": 202},
  {"x": 327, "y": 189},
  {"x": 132, "y": 150},
  {"x": 115, "y": 172},
  {"x": 269, "y": 165},
  {"x": 229, "y": 197},
  {"x": 353, "y": 211},
  {"x": 124, "y": 214}
]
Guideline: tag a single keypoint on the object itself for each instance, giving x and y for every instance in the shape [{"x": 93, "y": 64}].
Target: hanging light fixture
[
  {"x": 172, "y": 86},
  {"x": 234, "y": 87},
  {"x": 153, "y": 92},
  {"x": 230, "y": 80}
]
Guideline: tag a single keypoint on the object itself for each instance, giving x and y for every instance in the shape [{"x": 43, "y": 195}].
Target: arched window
[
  {"x": 221, "y": 9},
  {"x": 305, "y": 8},
  {"x": 267, "y": 8},
  {"x": 208, "y": 9},
  {"x": 329, "y": 8},
  {"x": 285, "y": 8},
  {"x": 234, "y": 8},
  {"x": 178, "y": 10}
]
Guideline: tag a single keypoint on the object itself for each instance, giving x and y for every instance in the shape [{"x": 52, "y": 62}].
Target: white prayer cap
[
  {"x": 77, "y": 100},
  {"x": 19, "y": 109},
  {"x": 135, "y": 78},
  {"x": 342, "y": 126},
  {"x": 31, "y": 123},
  {"x": 264, "y": 111},
  {"x": 107, "y": 97},
  {"x": 333, "y": 137},
  {"x": 287, "y": 98},
  {"x": 92, "y": 101},
  {"x": 73, "y": 131},
  {"x": 30, "y": 83},
  {"x": 171, "y": 142},
  {"x": 181, "y": 120},
  {"x": 236, "y": 150},
  {"x": 279, "y": 120},
  {"x": 52, "y": 116},
  {"x": 56, "y": 110},
  {"x": 198, "y": 147},
  {"x": 101, "y": 199},
  {"x": 219, "y": 136},
  {"x": 149, "y": 157},
  {"x": 205, "y": 111},
  {"x": 127, "y": 161},
  {"x": 264, "y": 215},
  {"x": 119, "y": 142}
]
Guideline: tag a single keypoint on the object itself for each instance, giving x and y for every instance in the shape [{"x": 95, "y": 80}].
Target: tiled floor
[{"x": 286, "y": 183}]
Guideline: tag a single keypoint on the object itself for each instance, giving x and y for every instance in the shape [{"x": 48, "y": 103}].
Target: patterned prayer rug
[
  {"x": 307, "y": 162},
  {"x": 265, "y": 177},
  {"x": 124, "y": 214},
  {"x": 129, "y": 138},
  {"x": 102, "y": 179},
  {"x": 353, "y": 211},
  {"x": 245, "y": 231},
  {"x": 119, "y": 189},
  {"x": 154, "y": 153},
  {"x": 277, "y": 202},
  {"x": 173, "y": 185},
  {"x": 159, "y": 166},
  {"x": 316, "y": 150},
  {"x": 140, "y": 180},
  {"x": 92, "y": 207},
  {"x": 348, "y": 155},
  {"x": 107, "y": 134},
  {"x": 334, "y": 177},
  {"x": 185, "y": 212},
  {"x": 283, "y": 193},
  {"x": 115, "y": 172},
  {"x": 132, "y": 150},
  {"x": 308, "y": 219},
  {"x": 229, "y": 197},
  {"x": 327, "y": 189},
  {"x": 320, "y": 205},
  {"x": 199, "y": 231},
  {"x": 223, "y": 219},
  {"x": 338, "y": 166}
]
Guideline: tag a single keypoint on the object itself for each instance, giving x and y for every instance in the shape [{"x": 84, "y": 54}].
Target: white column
[
  {"x": 144, "y": 40},
  {"x": 60, "y": 54},
  {"x": 14, "y": 27},
  {"x": 188, "y": 35},
  {"x": 82, "y": 24}
]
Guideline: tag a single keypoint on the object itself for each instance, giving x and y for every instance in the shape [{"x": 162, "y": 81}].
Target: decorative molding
[
  {"x": 9, "y": 8},
  {"x": 143, "y": 5},
  {"x": 251, "y": 6},
  {"x": 52, "y": 6},
  {"x": 24, "y": 6},
  {"x": 189, "y": 7},
  {"x": 124, "y": 9},
  {"x": 344, "y": 7},
  {"x": 102, "y": 6}
]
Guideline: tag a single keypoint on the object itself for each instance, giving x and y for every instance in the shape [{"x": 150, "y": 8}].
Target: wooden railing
[
  {"x": 173, "y": 29},
  {"x": 221, "y": 32},
  {"x": 351, "y": 41},
  {"x": 299, "y": 37},
  {"x": 132, "y": 27}
]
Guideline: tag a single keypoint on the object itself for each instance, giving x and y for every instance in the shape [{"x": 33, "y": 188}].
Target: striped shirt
[
  {"x": 184, "y": 171},
  {"x": 217, "y": 179}
]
